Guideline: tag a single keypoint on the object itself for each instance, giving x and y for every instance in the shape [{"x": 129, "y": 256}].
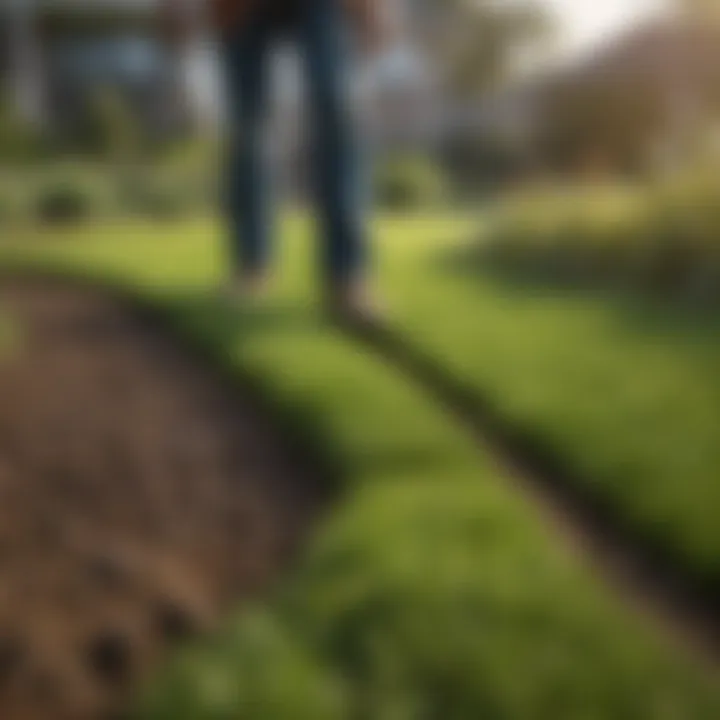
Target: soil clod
[
  {"x": 120, "y": 454},
  {"x": 12, "y": 654},
  {"x": 110, "y": 657},
  {"x": 176, "y": 622}
]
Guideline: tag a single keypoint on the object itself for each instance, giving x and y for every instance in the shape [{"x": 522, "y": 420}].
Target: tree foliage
[
  {"x": 480, "y": 40},
  {"x": 109, "y": 128},
  {"x": 18, "y": 141}
]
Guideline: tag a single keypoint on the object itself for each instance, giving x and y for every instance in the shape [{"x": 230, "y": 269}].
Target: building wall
[
  {"x": 51, "y": 74},
  {"x": 22, "y": 69},
  {"x": 78, "y": 67},
  {"x": 58, "y": 53}
]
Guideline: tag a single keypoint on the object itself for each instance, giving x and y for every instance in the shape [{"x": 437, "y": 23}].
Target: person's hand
[
  {"x": 174, "y": 23},
  {"x": 374, "y": 24}
]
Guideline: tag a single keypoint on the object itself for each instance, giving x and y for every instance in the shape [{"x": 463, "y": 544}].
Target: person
[{"x": 248, "y": 31}]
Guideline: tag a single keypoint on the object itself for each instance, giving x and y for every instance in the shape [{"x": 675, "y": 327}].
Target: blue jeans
[{"x": 321, "y": 34}]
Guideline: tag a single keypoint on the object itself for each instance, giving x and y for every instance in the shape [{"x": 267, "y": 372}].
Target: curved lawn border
[
  {"x": 142, "y": 499},
  {"x": 432, "y": 591},
  {"x": 562, "y": 381}
]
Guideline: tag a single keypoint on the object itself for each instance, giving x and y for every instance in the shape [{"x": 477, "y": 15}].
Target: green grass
[
  {"x": 432, "y": 590},
  {"x": 624, "y": 392}
]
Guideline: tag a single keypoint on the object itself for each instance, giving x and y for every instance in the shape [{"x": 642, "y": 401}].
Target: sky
[{"x": 584, "y": 23}]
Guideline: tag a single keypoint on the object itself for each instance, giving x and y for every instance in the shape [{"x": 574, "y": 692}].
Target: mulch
[{"x": 141, "y": 499}]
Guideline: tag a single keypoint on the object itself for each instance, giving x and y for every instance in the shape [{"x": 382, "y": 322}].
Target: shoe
[
  {"x": 246, "y": 289},
  {"x": 353, "y": 305}
]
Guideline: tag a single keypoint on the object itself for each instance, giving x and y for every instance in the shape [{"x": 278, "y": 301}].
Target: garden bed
[{"x": 141, "y": 498}]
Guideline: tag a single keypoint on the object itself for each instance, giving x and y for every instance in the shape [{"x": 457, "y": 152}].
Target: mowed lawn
[
  {"x": 432, "y": 590},
  {"x": 626, "y": 394}
]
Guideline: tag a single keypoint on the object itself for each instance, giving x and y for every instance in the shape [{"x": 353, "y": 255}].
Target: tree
[
  {"x": 693, "y": 82},
  {"x": 480, "y": 39},
  {"x": 652, "y": 97},
  {"x": 601, "y": 123},
  {"x": 704, "y": 9},
  {"x": 18, "y": 141},
  {"x": 109, "y": 128}
]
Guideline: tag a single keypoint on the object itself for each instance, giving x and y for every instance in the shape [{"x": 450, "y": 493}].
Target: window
[{"x": 126, "y": 60}]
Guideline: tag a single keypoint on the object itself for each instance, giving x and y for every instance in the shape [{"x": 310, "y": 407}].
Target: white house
[
  {"x": 52, "y": 52},
  {"x": 57, "y": 52}
]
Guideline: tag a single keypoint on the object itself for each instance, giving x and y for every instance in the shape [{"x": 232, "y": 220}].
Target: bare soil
[{"x": 141, "y": 498}]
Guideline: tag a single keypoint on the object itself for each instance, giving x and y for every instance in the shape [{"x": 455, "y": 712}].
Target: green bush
[
  {"x": 71, "y": 191},
  {"x": 13, "y": 197},
  {"x": 109, "y": 129},
  {"x": 663, "y": 240},
  {"x": 192, "y": 156},
  {"x": 407, "y": 183},
  {"x": 66, "y": 201},
  {"x": 19, "y": 143},
  {"x": 153, "y": 198},
  {"x": 191, "y": 167}
]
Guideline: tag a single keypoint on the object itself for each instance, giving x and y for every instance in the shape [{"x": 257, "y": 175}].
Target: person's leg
[
  {"x": 246, "y": 60},
  {"x": 337, "y": 155}
]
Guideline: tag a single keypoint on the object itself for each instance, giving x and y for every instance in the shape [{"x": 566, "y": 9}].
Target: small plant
[
  {"x": 153, "y": 198},
  {"x": 19, "y": 143},
  {"x": 64, "y": 202},
  {"x": 663, "y": 240},
  {"x": 409, "y": 183},
  {"x": 110, "y": 130}
]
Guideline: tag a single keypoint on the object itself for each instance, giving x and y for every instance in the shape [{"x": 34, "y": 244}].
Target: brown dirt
[{"x": 141, "y": 497}]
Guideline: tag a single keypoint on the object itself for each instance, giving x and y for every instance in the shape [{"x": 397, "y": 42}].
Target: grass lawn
[
  {"x": 432, "y": 591},
  {"x": 625, "y": 393}
]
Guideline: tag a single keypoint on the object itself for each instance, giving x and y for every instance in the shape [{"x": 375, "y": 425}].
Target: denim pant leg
[
  {"x": 247, "y": 60},
  {"x": 324, "y": 40}
]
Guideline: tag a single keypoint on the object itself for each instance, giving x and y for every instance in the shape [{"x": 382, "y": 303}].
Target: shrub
[
  {"x": 62, "y": 202},
  {"x": 109, "y": 128},
  {"x": 14, "y": 197},
  {"x": 192, "y": 156},
  {"x": 482, "y": 165},
  {"x": 153, "y": 198},
  {"x": 19, "y": 143},
  {"x": 190, "y": 169},
  {"x": 409, "y": 183},
  {"x": 663, "y": 240}
]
